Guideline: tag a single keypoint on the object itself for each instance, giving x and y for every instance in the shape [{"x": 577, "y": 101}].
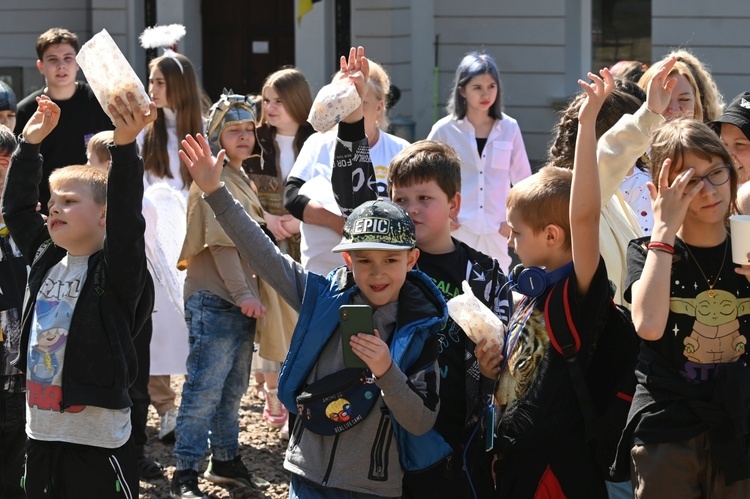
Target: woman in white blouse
[{"x": 493, "y": 156}]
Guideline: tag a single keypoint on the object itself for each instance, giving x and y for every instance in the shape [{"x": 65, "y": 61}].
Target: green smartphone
[{"x": 354, "y": 319}]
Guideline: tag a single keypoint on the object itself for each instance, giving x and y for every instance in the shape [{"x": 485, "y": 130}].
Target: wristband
[{"x": 659, "y": 246}]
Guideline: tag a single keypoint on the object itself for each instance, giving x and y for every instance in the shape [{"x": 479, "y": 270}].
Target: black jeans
[
  {"x": 12, "y": 443},
  {"x": 139, "y": 390}
]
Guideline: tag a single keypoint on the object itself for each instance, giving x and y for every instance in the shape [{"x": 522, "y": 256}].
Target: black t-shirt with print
[
  {"x": 705, "y": 332},
  {"x": 447, "y": 272}
]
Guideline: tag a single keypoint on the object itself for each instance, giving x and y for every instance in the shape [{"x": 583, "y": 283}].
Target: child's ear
[
  {"x": 455, "y": 205},
  {"x": 39, "y": 66},
  {"x": 411, "y": 258},
  {"x": 347, "y": 259},
  {"x": 103, "y": 219},
  {"x": 554, "y": 234}
]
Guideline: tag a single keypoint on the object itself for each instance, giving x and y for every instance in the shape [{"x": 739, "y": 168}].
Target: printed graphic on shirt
[
  {"x": 528, "y": 344},
  {"x": 48, "y": 339},
  {"x": 46, "y": 355},
  {"x": 381, "y": 177},
  {"x": 715, "y": 337}
]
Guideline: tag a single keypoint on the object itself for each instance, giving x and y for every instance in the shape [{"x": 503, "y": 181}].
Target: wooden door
[{"x": 244, "y": 41}]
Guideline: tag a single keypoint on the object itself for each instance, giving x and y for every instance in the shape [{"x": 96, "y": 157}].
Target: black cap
[
  {"x": 736, "y": 113},
  {"x": 7, "y": 98},
  {"x": 378, "y": 225}
]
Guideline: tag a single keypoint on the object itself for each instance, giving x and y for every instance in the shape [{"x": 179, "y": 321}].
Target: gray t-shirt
[{"x": 84, "y": 425}]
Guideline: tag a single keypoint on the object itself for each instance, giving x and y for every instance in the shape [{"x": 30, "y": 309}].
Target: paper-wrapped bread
[
  {"x": 109, "y": 73},
  {"x": 477, "y": 321},
  {"x": 334, "y": 101}
]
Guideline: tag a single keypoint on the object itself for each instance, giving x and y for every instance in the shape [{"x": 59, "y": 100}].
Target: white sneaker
[
  {"x": 284, "y": 433},
  {"x": 167, "y": 425}
]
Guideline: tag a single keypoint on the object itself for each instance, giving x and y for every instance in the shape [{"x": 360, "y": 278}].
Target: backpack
[{"x": 605, "y": 389}]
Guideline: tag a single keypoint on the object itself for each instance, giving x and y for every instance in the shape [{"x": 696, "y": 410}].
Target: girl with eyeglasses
[{"x": 690, "y": 418}]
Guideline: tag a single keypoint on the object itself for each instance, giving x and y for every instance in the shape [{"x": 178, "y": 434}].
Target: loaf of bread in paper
[{"x": 477, "y": 321}]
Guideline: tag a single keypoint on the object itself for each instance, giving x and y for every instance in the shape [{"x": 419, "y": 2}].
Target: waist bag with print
[{"x": 338, "y": 401}]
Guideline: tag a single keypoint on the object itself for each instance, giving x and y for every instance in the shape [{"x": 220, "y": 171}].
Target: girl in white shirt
[
  {"x": 492, "y": 152},
  {"x": 180, "y": 102}
]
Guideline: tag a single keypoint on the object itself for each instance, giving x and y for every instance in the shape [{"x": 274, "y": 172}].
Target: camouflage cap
[
  {"x": 378, "y": 225},
  {"x": 228, "y": 110}
]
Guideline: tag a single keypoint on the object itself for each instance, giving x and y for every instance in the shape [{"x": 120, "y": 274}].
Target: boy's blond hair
[
  {"x": 99, "y": 145},
  {"x": 94, "y": 177},
  {"x": 423, "y": 161},
  {"x": 544, "y": 199}
]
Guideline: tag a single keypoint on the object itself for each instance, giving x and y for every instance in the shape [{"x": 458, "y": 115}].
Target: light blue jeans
[{"x": 218, "y": 370}]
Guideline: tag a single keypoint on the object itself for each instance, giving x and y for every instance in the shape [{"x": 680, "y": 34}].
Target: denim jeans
[
  {"x": 301, "y": 488},
  {"x": 218, "y": 370}
]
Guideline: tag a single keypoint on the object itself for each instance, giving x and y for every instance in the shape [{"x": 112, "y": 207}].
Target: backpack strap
[{"x": 566, "y": 340}]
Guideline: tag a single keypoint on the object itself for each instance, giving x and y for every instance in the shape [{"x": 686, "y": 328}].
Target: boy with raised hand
[
  {"x": 425, "y": 180},
  {"x": 81, "y": 116},
  {"x": 554, "y": 218},
  {"x": 401, "y": 354},
  {"x": 89, "y": 294}
]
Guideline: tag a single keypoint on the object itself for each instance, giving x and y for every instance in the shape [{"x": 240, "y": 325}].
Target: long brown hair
[
  {"x": 294, "y": 92},
  {"x": 188, "y": 100}
]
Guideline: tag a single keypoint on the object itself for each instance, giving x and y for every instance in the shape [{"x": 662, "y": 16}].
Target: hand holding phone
[{"x": 354, "y": 319}]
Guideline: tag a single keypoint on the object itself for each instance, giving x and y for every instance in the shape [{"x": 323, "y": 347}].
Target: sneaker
[
  {"x": 274, "y": 412},
  {"x": 167, "y": 425},
  {"x": 284, "y": 433},
  {"x": 184, "y": 485},
  {"x": 233, "y": 472},
  {"x": 148, "y": 468}
]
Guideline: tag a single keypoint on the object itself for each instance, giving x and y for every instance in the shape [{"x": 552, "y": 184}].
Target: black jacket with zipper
[{"x": 117, "y": 296}]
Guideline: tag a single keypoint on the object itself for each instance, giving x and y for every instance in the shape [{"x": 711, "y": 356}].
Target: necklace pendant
[{"x": 711, "y": 293}]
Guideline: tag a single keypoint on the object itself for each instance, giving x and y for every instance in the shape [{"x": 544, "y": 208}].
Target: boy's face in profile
[
  {"x": 58, "y": 65},
  {"x": 431, "y": 211},
  {"x": 95, "y": 160},
  {"x": 4, "y": 164},
  {"x": 531, "y": 248},
  {"x": 76, "y": 222},
  {"x": 8, "y": 118},
  {"x": 380, "y": 274}
]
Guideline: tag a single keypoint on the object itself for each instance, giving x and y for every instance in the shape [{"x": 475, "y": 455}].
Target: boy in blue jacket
[{"x": 401, "y": 356}]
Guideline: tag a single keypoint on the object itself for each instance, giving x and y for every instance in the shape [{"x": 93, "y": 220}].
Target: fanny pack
[{"x": 338, "y": 401}]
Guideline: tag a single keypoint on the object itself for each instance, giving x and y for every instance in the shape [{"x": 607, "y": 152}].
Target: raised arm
[
  {"x": 21, "y": 193},
  {"x": 353, "y": 176},
  {"x": 621, "y": 146},
  {"x": 124, "y": 245},
  {"x": 585, "y": 195},
  {"x": 651, "y": 292}
]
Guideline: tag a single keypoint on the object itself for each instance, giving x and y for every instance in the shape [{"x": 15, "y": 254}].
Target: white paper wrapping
[
  {"x": 334, "y": 101},
  {"x": 109, "y": 73},
  {"x": 477, "y": 321}
]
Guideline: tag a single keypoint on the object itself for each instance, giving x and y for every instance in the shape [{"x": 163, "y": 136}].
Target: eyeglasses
[{"x": 716, "y": 177}]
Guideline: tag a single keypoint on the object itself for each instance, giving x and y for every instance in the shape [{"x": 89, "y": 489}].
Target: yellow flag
[{"x": 303, "y": 8}]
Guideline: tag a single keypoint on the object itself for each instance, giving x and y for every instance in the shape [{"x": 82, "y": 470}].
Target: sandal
[{"x": 148, "y": 468}]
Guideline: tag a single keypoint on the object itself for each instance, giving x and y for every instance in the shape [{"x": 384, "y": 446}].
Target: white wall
[
  {"x": 314, "y": 40},
  {"x": 718, "y": 33}
]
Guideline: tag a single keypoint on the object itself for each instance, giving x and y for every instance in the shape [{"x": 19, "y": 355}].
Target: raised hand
[
  {"x": 205, "y": 171},
  {"x": 357, "y": 70},
  {"x": 671, "y": 202},
  {"x": 129, "y": 120},
  {"x": 596, "y": 93},
  {"x": 659, "y": 91},
  {"x": 42, "y": 122}
]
